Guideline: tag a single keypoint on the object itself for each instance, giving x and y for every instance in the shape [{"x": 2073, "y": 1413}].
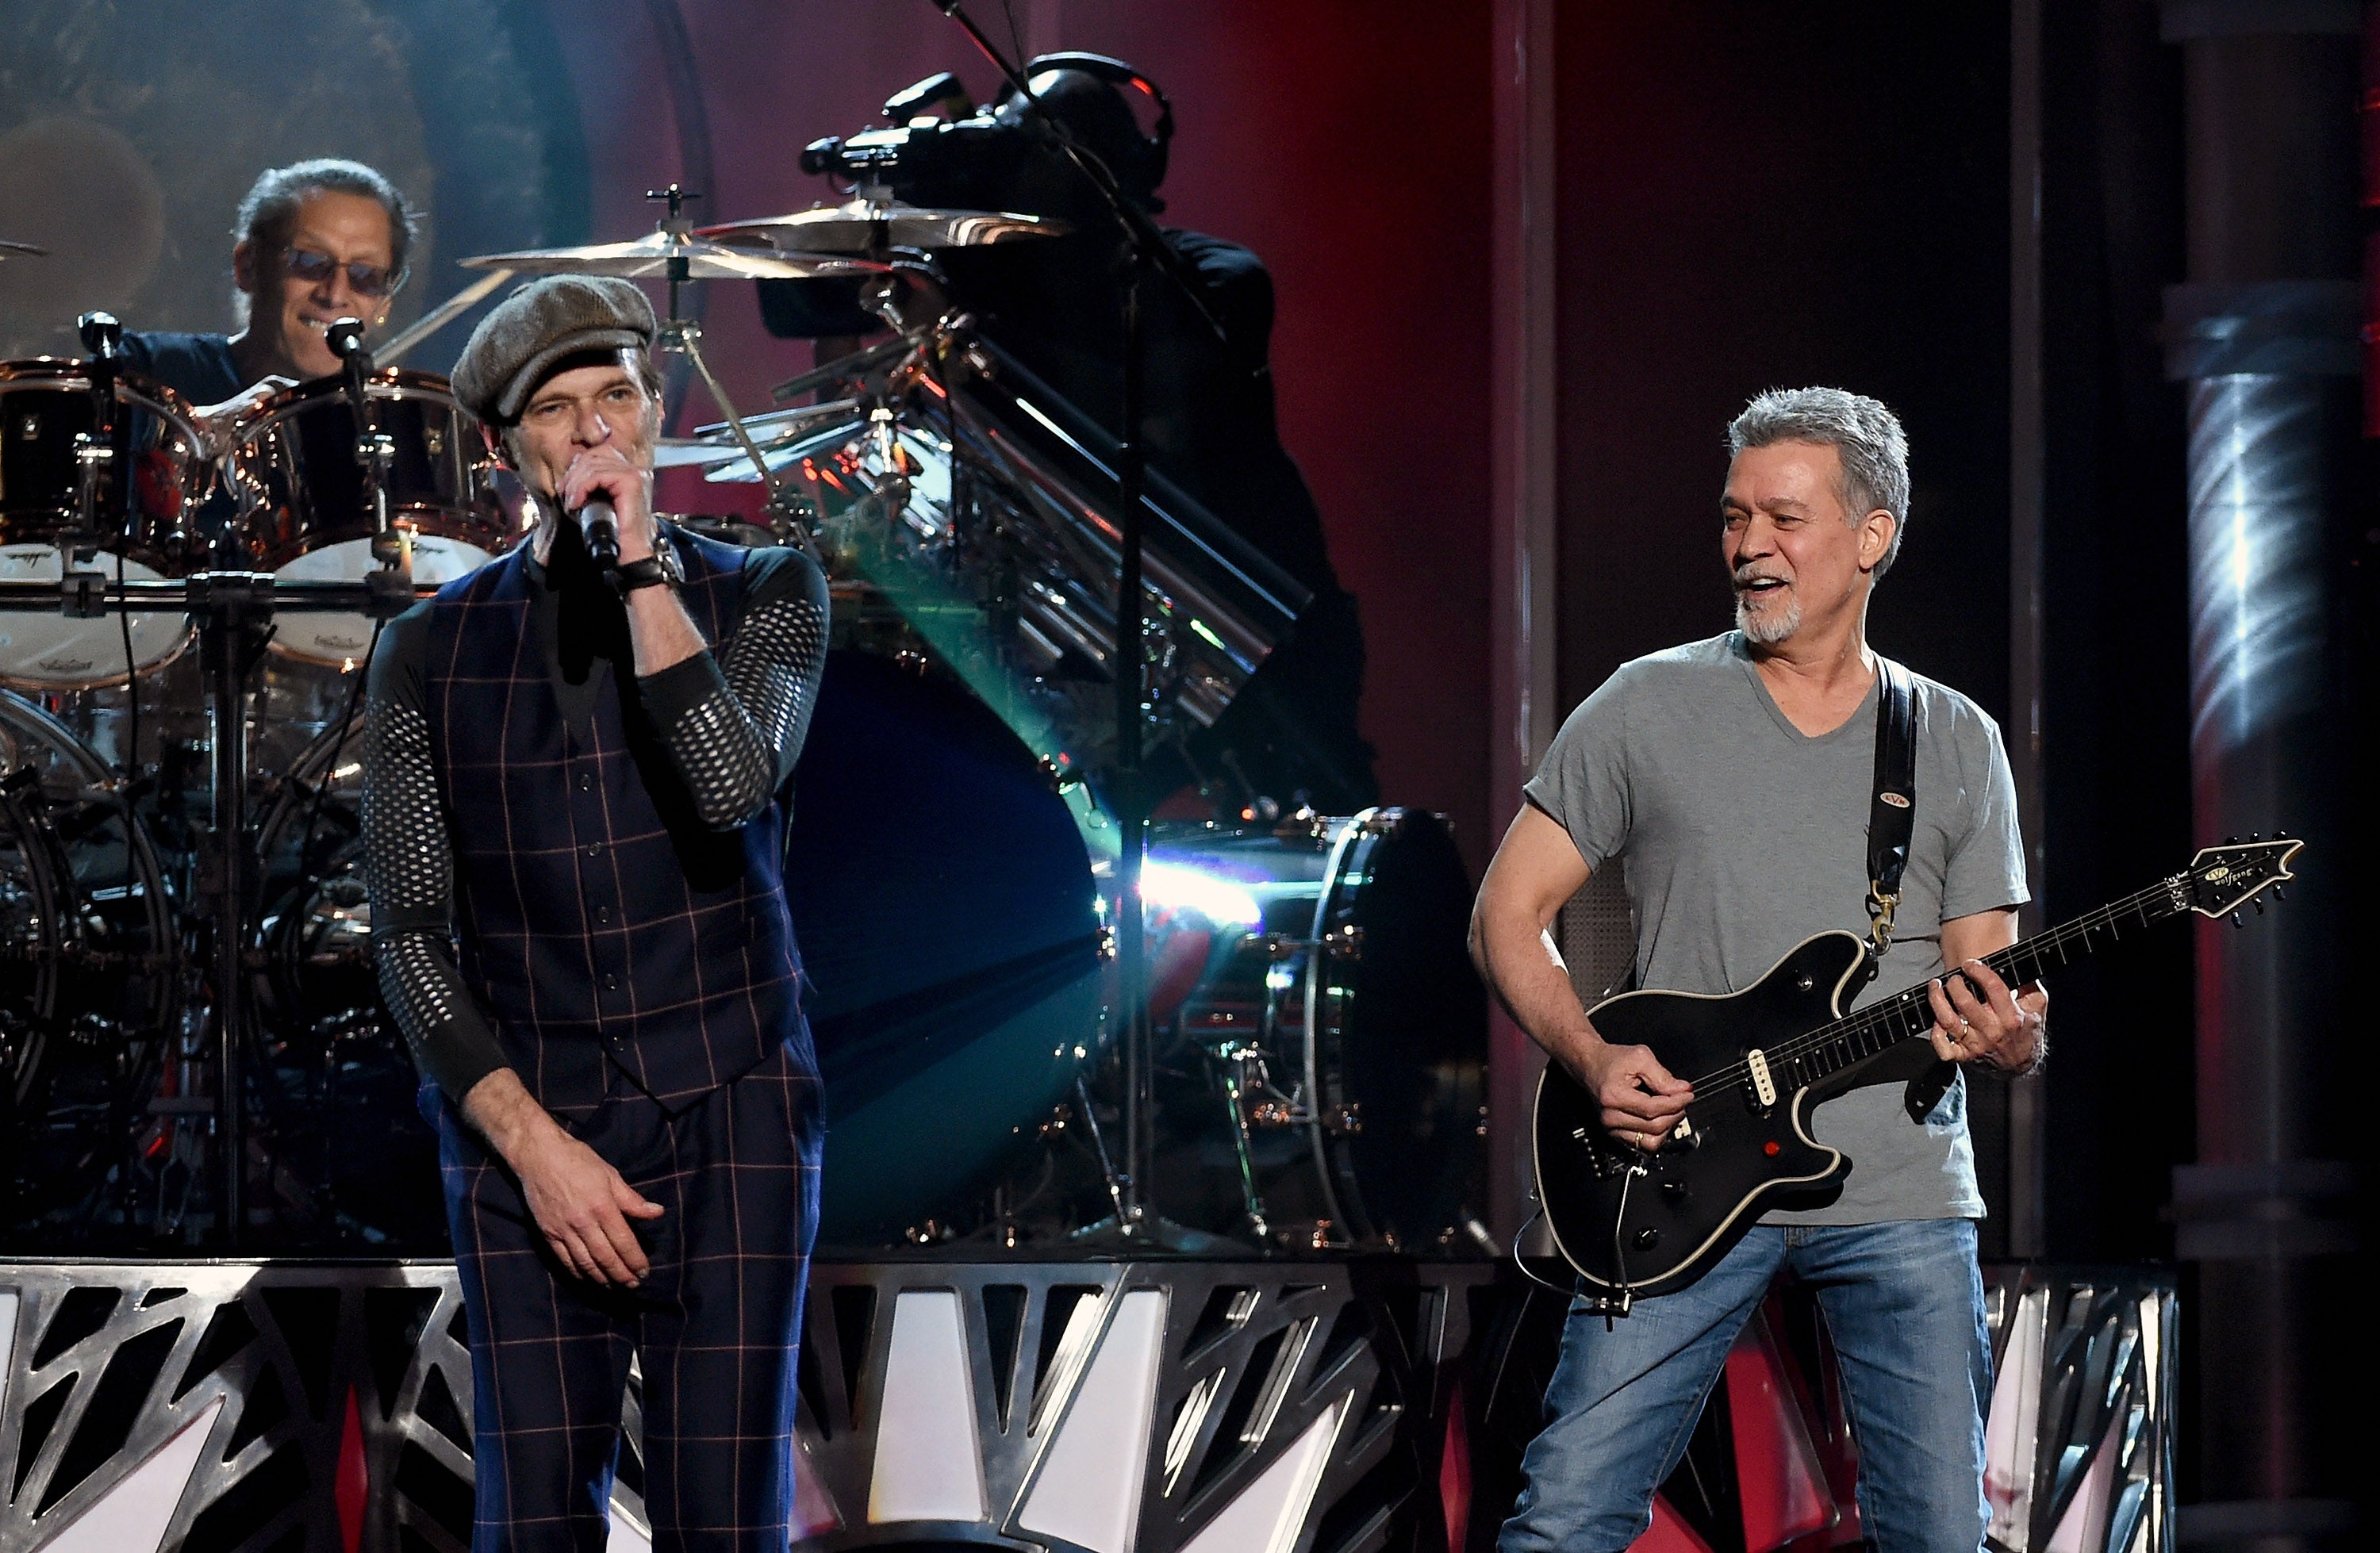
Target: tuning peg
[
  {"x": 2260, "y": 908},
  {"x": 2257, "y": 836},
  {"x": 2230, "y": 841},
  {"x": 2279, "y": 893},
  {"x": 2280, "y": 835},
  {"x": 2238, "y": 920}
]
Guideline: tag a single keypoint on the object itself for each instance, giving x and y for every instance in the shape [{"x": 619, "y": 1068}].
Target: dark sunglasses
[{"x": 364, "y": 280}]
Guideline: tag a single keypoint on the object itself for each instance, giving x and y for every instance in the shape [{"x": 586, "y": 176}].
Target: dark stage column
[
  {"x": 1520, "y": 594},
  {"x": 2263, "y": 333},
  {"x": 2028, "y": 506}
]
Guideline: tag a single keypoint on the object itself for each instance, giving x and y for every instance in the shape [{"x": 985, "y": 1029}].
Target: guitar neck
[{"x": 1908, "y": 1013}]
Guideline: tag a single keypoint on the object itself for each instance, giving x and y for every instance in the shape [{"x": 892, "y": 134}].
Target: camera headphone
[{"x": 1149, "y": 169}]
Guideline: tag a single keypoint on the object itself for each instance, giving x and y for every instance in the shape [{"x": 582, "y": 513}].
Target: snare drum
[
  {"x": 306, "y": 513},
  {"x": 44, "y": 405}
]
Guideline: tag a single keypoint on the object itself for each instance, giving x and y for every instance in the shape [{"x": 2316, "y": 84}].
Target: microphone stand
[{"x": 1136, "y": 1220}]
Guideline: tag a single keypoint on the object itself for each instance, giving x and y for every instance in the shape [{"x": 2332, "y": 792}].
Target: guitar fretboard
[{"x": 1877, "y": 1028}]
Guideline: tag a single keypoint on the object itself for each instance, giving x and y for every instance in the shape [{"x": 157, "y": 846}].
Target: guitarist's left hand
[{"x": 2001, "y": 1029}]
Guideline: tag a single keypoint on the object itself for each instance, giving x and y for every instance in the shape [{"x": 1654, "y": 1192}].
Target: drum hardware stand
[
  {"x": 1114, "y": 1182},
  {"x": 1239, "y": 1060},
  {"x": 375, "y": 450},
  {"x": 99, "y": 454},
  {"x": 684, "y": 336},
  {"x": 1136, "y": 1221},
  {"x": 233, "y": 611}
]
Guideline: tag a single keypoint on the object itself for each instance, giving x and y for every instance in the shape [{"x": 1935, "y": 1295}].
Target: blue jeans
[{"x": 1904, "y": 1304}]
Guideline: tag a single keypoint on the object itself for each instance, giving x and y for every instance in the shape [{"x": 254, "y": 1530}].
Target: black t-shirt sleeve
[{"x": 198, "y": 367}]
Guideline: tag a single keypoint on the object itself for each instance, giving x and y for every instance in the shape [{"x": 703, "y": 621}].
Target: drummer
[{"x": 316, "y": 241}]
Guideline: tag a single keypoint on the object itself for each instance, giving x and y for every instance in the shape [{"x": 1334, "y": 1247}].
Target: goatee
[{"x": 1767, "y": 626}]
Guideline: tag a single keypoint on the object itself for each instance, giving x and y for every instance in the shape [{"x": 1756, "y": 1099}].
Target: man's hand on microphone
[{"x": 606, "y": 471}]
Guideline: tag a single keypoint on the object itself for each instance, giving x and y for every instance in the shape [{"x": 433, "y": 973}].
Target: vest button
[
  {"x": 587, "y": 782},
  {"x": 602, "y": 914},
  {"x": 594, "y": 849},
  {"x": 611, "y": 982}
]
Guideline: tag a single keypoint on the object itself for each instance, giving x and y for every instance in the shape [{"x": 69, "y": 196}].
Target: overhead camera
[
  {"x": 938, "y": 140},
  {"x": 944, "y": 149}
]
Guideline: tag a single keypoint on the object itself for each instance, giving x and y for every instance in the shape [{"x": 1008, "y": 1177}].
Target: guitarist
[{"x": 1732, "y": 779}]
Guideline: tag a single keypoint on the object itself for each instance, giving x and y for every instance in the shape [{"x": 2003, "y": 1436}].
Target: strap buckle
[{"x": 1881, "y": 904}]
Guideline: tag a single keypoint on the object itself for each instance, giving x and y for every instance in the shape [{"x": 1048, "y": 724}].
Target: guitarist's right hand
[
  {"x": 1536, "y": 870},
  {"x": 1641, "y": 1100}
]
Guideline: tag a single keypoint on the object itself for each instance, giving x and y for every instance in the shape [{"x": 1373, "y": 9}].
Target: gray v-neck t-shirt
[{"x": 1739, "y": 836}]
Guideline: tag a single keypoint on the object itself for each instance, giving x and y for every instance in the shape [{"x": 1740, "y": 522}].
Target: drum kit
[{"x": 191, "y": 1037}]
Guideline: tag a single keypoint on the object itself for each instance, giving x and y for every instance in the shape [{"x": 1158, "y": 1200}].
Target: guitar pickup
[{"x": 1764, "y": 1083}]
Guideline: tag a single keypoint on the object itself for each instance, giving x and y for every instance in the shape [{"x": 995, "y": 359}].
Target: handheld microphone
[{"x": 600, "y": 526}]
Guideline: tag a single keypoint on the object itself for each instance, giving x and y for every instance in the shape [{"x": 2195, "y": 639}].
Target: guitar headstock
[{"x": 2221, "y": 879}]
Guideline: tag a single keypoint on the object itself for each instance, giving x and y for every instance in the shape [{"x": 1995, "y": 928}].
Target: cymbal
[
  {"x": 21, "y": 250},
  {"x": 648, "y": 257},
  {"x": 792, "y": 432},
  {"x": 872, "y": 225}
]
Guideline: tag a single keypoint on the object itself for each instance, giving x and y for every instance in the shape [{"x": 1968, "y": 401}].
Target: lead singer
[{"x": 575, "y": 810}]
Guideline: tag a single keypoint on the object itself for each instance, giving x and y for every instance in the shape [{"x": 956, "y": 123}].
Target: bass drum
[
  {"x": 950, "y": 926},
  {"x": 1324, "y": 1072},
  {"x": 88, "y": 992}
]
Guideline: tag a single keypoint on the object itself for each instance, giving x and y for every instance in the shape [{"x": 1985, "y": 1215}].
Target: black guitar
[{"x": 1761, "y": 1059}]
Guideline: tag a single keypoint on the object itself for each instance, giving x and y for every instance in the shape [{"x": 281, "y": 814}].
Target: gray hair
[
  {"x": 1865, "y": 436},
  {"x": 268, "y": 216}
]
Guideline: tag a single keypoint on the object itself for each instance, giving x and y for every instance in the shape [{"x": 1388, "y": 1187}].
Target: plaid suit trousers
[{"x": 714, "y": 1325}]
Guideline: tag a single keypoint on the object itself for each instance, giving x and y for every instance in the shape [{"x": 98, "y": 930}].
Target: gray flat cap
[{"x": 514, "y": 345}]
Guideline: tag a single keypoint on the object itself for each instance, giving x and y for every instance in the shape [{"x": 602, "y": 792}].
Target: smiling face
[
  {"x": 286, "y": 314},
  {"x": 1798, "y": 560}
]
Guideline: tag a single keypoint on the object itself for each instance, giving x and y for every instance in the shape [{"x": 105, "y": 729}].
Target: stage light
[{"x": 1178, "y": 887}]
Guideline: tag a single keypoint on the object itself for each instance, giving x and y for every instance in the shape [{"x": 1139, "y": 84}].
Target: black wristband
[{"x": 650, "y": 572}]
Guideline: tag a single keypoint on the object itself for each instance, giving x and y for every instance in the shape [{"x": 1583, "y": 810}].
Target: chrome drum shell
[
  {"x": 143, "y": 526},
  {"x": 1313, "y": 991},
  {"x": 305, "y": 509}
]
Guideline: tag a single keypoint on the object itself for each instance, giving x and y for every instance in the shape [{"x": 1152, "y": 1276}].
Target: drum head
[
  {"x": 344, "y": 641},
  {"x": 947, "y": 916},
  {"x": 41, "y": 650}
]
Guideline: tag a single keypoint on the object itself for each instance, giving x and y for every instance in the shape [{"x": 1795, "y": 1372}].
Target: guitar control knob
[{"x": 1648, "y": 1238}]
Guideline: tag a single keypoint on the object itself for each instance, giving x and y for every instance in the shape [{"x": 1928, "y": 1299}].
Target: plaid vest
[{"x": 599, "y": 922}]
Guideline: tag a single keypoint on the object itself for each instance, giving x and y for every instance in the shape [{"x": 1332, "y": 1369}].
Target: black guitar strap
[
  {"x": 1891, "y": 809},
  {"x": 1891, "y": 816}
]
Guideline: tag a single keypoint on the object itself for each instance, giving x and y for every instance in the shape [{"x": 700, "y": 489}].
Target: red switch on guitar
[{"x": 1772, "y": 1148}]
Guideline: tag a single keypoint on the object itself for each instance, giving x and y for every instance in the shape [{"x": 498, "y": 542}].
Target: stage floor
[{"x": 1324, "y": 1404}]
